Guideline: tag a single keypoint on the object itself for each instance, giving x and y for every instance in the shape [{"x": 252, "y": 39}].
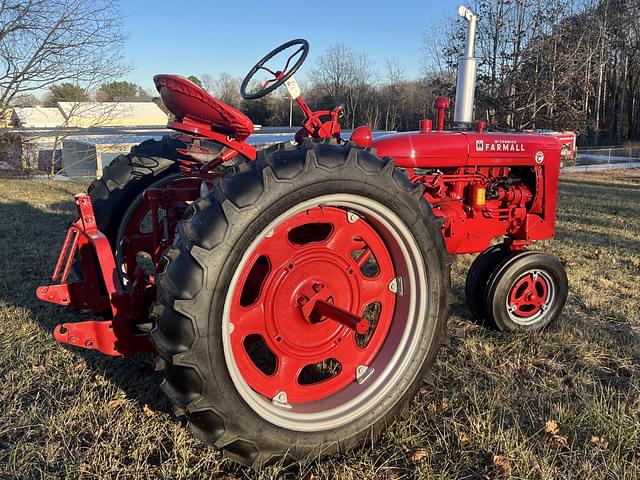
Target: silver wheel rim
[
  {"x": 392, "y": 364},
  {"x": 544, "y": 309}
]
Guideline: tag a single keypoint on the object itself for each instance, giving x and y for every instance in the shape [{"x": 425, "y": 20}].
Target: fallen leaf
[
  {"x": 599, "y": 442},
  {"x": 80, "y": 366},
  {"x": 463, "y": 438},
  {"x": 418, "y": 455},
  {"x": 114, "y": 404},
  {"x": 558, "y": 440},
  {"x": 551, "y": 427},
  {"x": 148, "y": 411},
  {"x": 502, "y": 464},
  {"x": 101, "y": 381},
  {"x": 445, "y": 405}
]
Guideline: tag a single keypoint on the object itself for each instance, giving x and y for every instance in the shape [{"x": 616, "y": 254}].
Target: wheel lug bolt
[
  {"x": 317, "y": 287},
  {"x": 302, "y": 300}
]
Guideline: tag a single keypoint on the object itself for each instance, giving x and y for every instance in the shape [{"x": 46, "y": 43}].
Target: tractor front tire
[
  {"x": 526, "y": 292},
  {"x": 256, "y": 371},
  {"x": 478, "y": 276}
]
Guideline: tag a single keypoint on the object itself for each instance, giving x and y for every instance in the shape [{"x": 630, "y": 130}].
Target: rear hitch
[{"x": 100, "y": 291}]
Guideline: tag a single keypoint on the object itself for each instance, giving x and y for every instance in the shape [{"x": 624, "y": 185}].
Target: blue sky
[{"x": 193, "y": 37}]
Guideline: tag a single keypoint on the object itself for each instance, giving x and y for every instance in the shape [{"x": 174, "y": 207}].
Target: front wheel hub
[{"x": 530, "y": 296}]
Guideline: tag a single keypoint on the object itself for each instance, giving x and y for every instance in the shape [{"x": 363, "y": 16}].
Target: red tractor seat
[{"x": 184, "y": 98}]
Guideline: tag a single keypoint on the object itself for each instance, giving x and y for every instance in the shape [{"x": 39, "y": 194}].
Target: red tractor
[{"x": 295, "y": 297}]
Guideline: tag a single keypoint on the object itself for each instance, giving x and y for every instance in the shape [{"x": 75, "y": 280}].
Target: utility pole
[{"x": 290, "y": 111}]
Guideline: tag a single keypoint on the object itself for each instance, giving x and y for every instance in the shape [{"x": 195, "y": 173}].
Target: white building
[{"x": 37, "y": 117}]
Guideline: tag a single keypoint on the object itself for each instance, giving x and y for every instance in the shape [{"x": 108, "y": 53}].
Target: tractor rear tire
[
  {"x": 266, "y": 211},
  {"x": 127, "y": 177}
]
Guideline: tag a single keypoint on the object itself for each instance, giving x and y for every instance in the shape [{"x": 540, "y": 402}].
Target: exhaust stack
[{"x": 467, "y": 64}]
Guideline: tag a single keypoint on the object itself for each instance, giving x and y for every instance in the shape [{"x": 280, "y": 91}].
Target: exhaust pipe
[{"x": 467, "y": 65}]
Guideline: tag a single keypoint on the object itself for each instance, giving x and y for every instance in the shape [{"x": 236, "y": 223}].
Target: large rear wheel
[
  {"x": 302, "y": 304},
  {"x": 117, "y": 197}
]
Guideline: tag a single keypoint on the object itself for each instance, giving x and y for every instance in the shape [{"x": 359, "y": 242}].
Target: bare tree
[
  {"x": 47, "y": 42},
  {"x": 394, "y": 75},
  {"x": 43, "y": 42},
  {"x": 343, "y": 75},
  {"x": 208, "y": 82},
  {"x": 227, "y": 88}
]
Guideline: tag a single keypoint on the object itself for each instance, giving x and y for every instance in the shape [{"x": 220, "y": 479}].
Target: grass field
[{"x": 564, "y": 403}]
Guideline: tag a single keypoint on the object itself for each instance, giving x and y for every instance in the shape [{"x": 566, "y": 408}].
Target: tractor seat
[{"x": 184, "y": 98}]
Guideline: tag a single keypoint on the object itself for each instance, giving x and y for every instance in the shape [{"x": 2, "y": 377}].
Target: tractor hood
[
  {"x": 442, "y": 149},
  {"x": 414, "y": 149}
]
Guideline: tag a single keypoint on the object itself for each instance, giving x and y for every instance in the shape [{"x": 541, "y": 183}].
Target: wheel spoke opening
[
  {"x": 521, "y": 290},
  {"x": 366, "y": 261},
  {"x": 372, "y": 314},
  {"x": 260, "y": 354},
  {"x": 255, "y": 280},
  {"x": 310, "y": 233},
  {"x": 319, "y": 372}
]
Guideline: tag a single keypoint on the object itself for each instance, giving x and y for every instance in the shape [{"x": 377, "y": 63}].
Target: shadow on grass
[{"x": 30, "y": 241}]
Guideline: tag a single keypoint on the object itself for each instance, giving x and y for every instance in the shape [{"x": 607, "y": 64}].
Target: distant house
[
  {"x": 112, "y": 114},
  {"x": 87, "y": 115},
  {"x": 37, "y": 117},
  {"x": 78, "y": 137}
]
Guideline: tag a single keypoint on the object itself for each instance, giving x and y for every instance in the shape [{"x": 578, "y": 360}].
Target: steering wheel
[{"x": 279, "y": 76}]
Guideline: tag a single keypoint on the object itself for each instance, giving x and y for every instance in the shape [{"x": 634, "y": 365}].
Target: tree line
[
  {"x": 556, "y": 64},
  {"x": 549, "y": 64}
]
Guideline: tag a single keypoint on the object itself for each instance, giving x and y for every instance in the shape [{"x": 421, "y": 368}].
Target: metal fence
[{"x": 602, "y": 158}]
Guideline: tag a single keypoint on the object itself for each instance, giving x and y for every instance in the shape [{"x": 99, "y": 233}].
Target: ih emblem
[
  {"x": 539, "y": 157},
  {"x": 480, "y": 145}
]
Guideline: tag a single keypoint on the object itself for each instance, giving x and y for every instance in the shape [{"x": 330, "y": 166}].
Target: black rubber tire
[
  {"x": 507, "y": 273},
  {"x": 212, "y": 237},
  {"x": 127, "y": 176},
  {"x": 478, "y": 277}
]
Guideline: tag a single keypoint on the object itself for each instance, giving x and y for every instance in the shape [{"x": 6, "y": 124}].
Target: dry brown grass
[{"x": 564, "y": 403}]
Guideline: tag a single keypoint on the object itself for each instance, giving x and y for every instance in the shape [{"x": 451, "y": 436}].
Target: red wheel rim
[
  {"x": 530, "y": 295},
  {"x": 322, "y": 254}
]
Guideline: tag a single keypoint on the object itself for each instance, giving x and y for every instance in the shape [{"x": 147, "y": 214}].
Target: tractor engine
[{"x": 483, "y": 185}]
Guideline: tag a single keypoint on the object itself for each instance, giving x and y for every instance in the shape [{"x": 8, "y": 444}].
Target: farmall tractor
[{"x": 295, "y": 297}]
